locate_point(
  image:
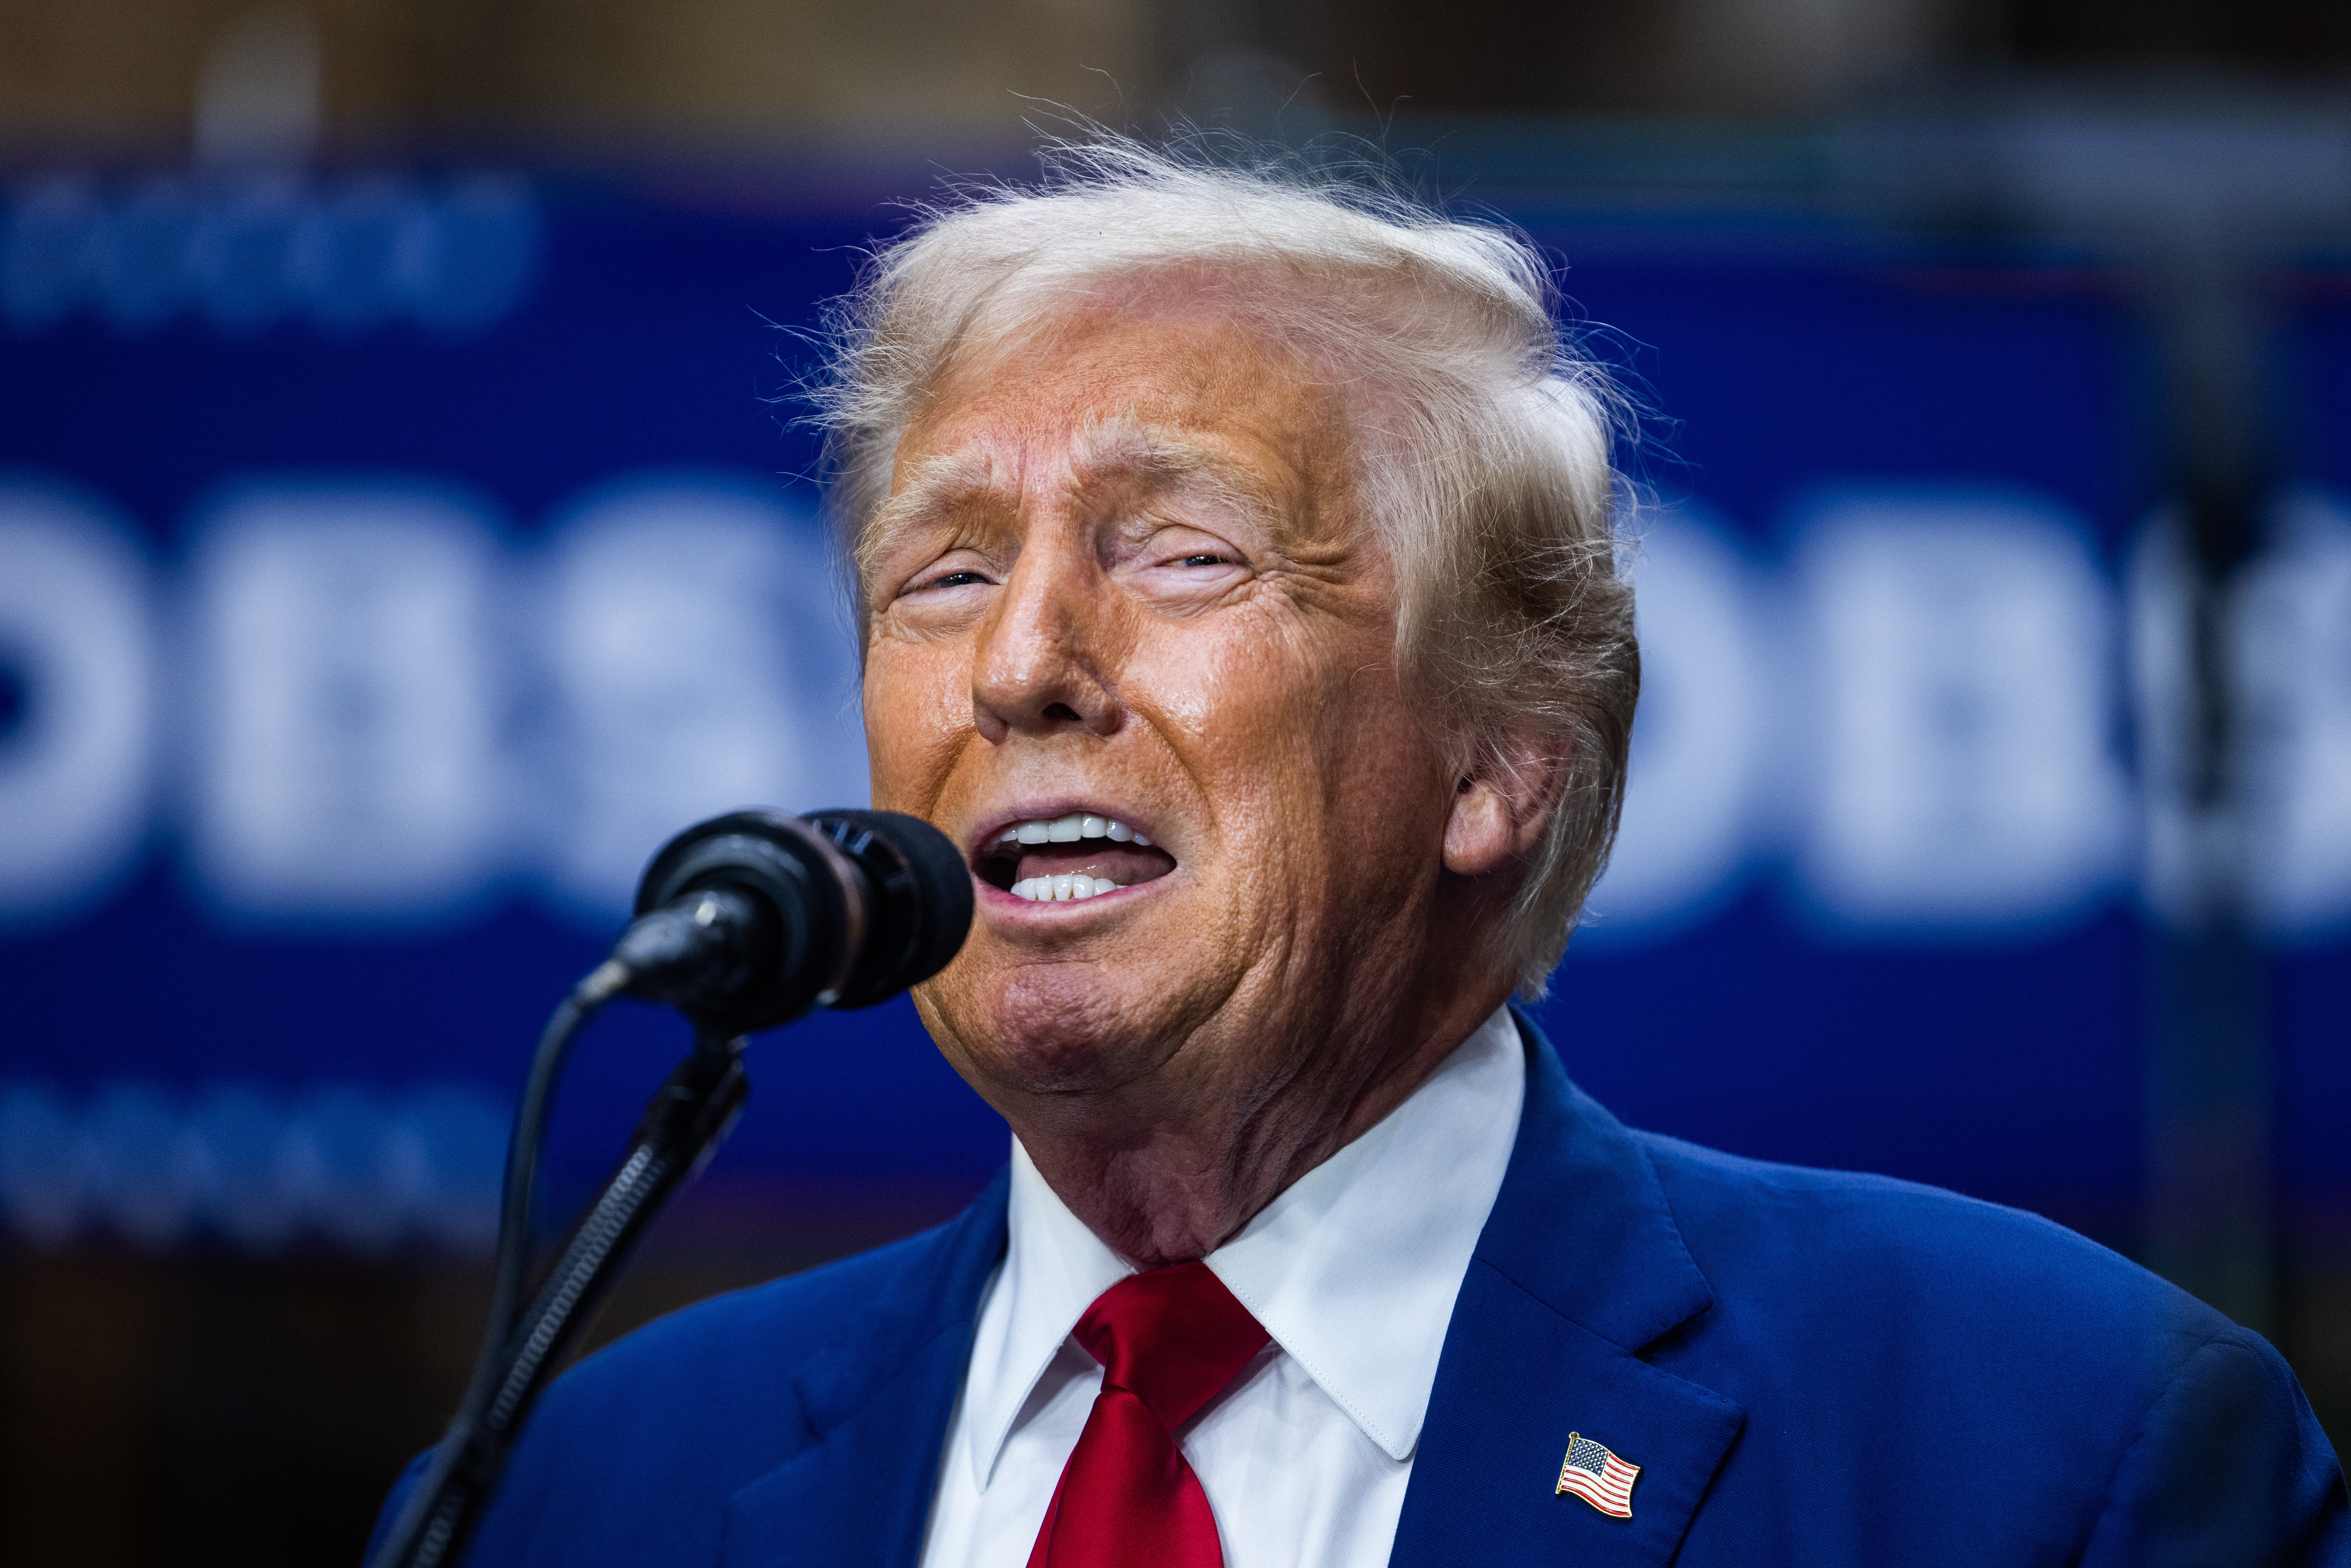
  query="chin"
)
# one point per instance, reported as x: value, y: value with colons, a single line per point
x: 1055, y: 1028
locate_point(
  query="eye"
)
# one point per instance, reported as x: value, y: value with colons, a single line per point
x: 1181, y: 564
x: 967, y: 577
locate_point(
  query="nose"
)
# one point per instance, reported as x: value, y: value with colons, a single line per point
x: 1041, y: 667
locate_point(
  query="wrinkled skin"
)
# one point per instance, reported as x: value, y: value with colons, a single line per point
x: 1122, y: 571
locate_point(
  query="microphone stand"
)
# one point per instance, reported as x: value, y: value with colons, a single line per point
x: 682, y: 1127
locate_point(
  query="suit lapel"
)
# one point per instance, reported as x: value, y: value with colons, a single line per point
x: 876, y: 1407
x: 1580, y: 1266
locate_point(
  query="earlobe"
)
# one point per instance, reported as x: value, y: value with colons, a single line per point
x: 1478, y: 831
x: 1499, y: 810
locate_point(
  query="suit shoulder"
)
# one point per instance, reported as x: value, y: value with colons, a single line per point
x: 632, y: 1454
x: 2005, y: 1389
x: 753, y: 1337
x: 1847, y: 1238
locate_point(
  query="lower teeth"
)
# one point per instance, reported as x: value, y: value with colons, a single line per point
x: 1060, y: 889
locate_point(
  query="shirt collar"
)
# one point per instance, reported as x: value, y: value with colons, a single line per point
x: 1053, y: 1269
x: 1353, y: 1269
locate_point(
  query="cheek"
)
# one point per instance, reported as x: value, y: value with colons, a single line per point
x: 1240, y: 709
x: 917, y: 704
x: 1295, y: 737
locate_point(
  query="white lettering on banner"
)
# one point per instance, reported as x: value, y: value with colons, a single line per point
x: 2293, y: 658
x: 344, y: 1161
x: 40, y: 1176
x: 703, y: 664
x: 246, y: 252
x: 1963, y: 667
x: 246, y: 1174
x: 1704, y: 694
x: 139, y: 1165
x: 245, y: 1162
x: 75, y: 739
x: 2171, y: 881
x: 349, y: 759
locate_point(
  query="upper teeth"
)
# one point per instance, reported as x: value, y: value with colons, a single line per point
x: 1069, y: 829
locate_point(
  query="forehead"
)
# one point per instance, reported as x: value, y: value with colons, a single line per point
x: 1042, y: 397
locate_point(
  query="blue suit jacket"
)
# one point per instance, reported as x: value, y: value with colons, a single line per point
x: 1809, y: 1368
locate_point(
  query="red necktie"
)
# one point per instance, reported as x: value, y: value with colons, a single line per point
x: 1170, y: 1342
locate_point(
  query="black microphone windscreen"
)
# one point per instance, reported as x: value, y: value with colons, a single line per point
x: 921, y: 903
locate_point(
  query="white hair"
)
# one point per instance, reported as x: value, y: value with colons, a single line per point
x: 1485, y: 438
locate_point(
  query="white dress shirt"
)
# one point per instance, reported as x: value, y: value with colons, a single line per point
x: 1352, y: 1271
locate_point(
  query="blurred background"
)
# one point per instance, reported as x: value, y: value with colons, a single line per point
x: 405, y: 527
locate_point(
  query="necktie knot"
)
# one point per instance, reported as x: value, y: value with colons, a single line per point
x: 1173, y: 1337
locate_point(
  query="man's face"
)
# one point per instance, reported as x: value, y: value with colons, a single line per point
x: 1122, y: 577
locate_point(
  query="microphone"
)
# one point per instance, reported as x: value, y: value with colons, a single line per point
x: 749, y: 920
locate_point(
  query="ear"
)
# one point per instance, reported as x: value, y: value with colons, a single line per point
x: 1502, y: 806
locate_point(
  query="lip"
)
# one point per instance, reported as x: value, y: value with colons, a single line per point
x: 994, y: 825
x: 1002, y: 905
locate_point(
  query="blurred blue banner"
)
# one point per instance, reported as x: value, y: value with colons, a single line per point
x: 387, y: 565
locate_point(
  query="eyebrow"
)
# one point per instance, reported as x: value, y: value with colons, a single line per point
x: 936, y: 487
x: 1112, y: 450
x: 1104, y: 452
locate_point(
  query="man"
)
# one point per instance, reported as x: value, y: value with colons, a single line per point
x: 1233, y: 570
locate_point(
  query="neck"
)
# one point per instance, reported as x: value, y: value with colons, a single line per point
x: 1168, y: 1169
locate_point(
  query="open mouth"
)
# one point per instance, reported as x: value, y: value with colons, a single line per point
x: 1054, y: 860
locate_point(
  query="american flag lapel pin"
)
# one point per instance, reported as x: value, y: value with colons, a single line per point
x: 1597, y: 1475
